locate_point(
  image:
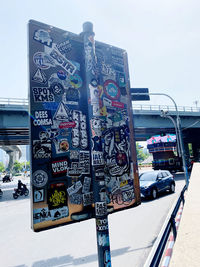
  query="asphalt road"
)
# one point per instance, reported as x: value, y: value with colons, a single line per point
x: 132, y: 234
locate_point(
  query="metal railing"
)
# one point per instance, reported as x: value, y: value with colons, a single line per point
x: 169, y: 225
x: 24, y: 101
x: 13, y: 101
x: 165, y: 107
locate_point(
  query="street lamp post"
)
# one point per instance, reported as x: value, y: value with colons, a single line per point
x: 164, y: 114
x: 179, y: 132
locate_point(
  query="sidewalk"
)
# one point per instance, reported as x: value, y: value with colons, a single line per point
x: 186, y: 251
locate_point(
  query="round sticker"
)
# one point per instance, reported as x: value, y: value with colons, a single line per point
x: 121, y: 158
x: 40, y: 178
x: 57, y: 88
x: 111, y: 89
x: 61, y: 75
x: 64, y: 146
x: 75, y: 81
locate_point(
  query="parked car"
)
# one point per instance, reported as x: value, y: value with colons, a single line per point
x: 154, y: 182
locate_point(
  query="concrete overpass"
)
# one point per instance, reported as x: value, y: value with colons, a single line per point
x: 14, y: 122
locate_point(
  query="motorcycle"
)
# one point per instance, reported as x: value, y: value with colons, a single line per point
x: 21, y: 192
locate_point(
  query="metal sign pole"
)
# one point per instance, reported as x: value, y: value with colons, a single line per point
x: 99, y: 187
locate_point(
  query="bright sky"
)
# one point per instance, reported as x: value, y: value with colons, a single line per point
x: 162, y: 39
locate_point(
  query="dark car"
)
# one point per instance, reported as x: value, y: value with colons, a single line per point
x: 154, y: 182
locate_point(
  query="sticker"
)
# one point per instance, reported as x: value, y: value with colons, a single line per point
x: 60, y: 213
x: 86, y: 185
x: 128, y: 196
x: 116, y: 149
x: 97, y: 144
x: 38, y: 195
x: 62, y: 113
x: 122, y: 81
x: 39, y: 77
x: 59, y: 167
x: 74, y: 154
x: 74, y: 188
x: 42, y: 118
x: 57, y: 196
x: 44, y: 136
x: 106, y: 69
x: 61, y: 75
x: 43, y: 37
x: 94, y: 94
x: 79, y: 132
x: 76, y: 199
x: 43, y: 60
x: 67, y: 125
x: 72, y: 94
x: 74, y: 171
x: 41, y: 150
x: 63, y: 62
x: 75, y: 81
x: 97, y: 158
x: 107, y: 258
x: 99, y: 174
x: 64, y: 47
x: 111, y: 90
x: 61, y: 145
x: 42, y: 94
x: 103, y: 240
x: 88, y: 199
x: 40, y: 178
x: 102, y: 224
x: 96, y: 125
x: 57, y: 88
x: 117, y: 104
x: 84, y: 161
x: 96, y: 110
x: 41, y: 215
x: 100, y: 208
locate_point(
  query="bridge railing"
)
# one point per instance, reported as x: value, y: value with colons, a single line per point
x: 165, y: 107
x: 23, y: 101
x: 13, y: 101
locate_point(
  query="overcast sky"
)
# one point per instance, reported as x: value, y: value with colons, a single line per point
x: 162, y: 39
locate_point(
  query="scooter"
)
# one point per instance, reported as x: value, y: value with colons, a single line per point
x: 18, y: 193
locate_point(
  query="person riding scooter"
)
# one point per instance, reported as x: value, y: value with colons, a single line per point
x: 21, y: 187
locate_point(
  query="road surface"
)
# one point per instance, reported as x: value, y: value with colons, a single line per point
x: 132, y: 234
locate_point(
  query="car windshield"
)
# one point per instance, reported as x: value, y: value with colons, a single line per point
x: 150, y: 176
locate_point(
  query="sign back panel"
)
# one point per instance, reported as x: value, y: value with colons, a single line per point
x: 63, y: 156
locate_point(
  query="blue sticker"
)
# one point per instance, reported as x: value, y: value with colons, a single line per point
x: 61, y: 75
x: 43, y: 60
x: 75, y: 80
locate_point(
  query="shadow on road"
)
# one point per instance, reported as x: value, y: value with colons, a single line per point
x: 69, y: 260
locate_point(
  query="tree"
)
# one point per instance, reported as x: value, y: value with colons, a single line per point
x: 140, y: 154
x: 17, y: 167
x: 2, y: 167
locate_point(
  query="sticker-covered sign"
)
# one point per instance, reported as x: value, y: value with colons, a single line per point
x: 80, y: 129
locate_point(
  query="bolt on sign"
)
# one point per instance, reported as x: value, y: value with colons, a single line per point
x: 80, y: 134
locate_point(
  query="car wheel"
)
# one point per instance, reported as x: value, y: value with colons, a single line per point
x: 154, y: 193
x: 172, y: 188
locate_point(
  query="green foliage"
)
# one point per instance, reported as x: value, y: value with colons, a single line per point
x: 17, y: 167
x: 2, y: 167
x: 140, y: 154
